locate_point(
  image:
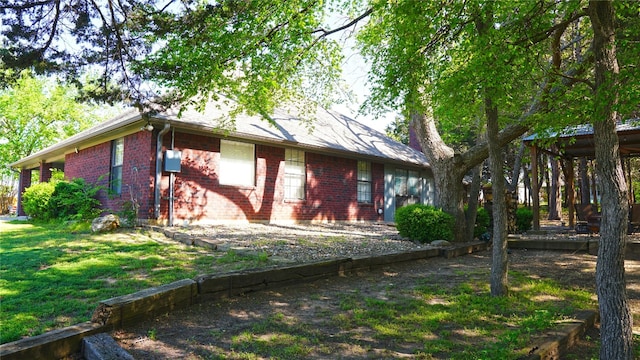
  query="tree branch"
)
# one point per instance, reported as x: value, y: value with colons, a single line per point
x: 326, y: 33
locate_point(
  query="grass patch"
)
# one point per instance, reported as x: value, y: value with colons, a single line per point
x: 458, y: 322
x: 465, y: 321
x: 54, y: 275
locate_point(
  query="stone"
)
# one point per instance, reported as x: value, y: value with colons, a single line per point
x: 105, y: 223
x: 440, y: 243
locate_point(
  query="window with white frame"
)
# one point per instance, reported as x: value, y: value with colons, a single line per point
x: 408, y: 183
x: 294, y: 174
x: 117, y: 159
x: 364, y: 182
x: 237, y: 163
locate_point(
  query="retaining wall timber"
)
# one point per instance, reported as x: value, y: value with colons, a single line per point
x: 55, y: 344
x: 564, y: 245
x: 126, y: 310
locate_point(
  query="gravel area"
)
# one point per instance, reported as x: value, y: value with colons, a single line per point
x: 299, y: 243
x: 306, y: 242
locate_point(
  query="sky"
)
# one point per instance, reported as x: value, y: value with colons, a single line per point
x: 355, y: 76
x: 355, y: 70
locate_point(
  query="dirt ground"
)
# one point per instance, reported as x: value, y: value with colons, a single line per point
x: 205, y: 331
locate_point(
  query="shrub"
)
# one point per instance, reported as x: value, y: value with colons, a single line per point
x: 129, y: 213
x: 424, y: 223
x: 36, y: 198
x: 75, y: 200
x: 65, y: 200
x: 524, y: 219
x: 483, y: 222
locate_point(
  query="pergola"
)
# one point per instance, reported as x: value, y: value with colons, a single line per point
x: 575, y: 143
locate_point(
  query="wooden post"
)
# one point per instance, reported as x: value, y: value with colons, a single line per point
x: 571, y: 192
x: 535, y: 187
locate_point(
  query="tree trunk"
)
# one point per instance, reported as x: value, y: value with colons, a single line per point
x: 555, y: 203
x: 499, y: 267
x: 585, y: 189
x: 517, y: 167
x: 449, y: 168
x: 448, y: 171
x: 546, y: 178
x: 594, y: 188
x: 615, y: 315
x: 527, y: 187
x: 472, y: 209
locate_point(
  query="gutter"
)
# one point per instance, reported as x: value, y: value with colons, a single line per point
x: 156, y: 199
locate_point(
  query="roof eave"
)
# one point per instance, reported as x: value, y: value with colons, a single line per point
x: 82, y: 140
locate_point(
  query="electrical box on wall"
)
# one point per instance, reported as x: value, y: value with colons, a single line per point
x: 172, y: 160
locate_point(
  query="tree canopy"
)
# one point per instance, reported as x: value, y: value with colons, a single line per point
x: 38, y: 112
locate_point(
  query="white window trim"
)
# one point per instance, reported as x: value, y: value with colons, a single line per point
x: 362, y: 181
x: 295, y: 171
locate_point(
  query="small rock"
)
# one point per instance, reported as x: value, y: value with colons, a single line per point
x: 440, y: 243
x: 105, y: 223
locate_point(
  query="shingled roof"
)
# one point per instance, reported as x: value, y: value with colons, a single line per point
x: 324, y: 131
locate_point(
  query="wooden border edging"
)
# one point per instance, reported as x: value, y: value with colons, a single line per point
x: 128, y: 309
x: 566, y: 245
x: 564, y: 337
x: 124, y: 310
x: 55, y: 344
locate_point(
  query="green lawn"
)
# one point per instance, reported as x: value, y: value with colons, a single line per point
x: 461, y: 322
x: 54, y: 276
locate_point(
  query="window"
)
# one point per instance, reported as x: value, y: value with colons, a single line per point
x: 413, y: 184
x: 364, y: 182
x: 117, y: 157
x: 237, y: 163
x: 401, y: 182
x: 294, y: 174
x: 408, y: 183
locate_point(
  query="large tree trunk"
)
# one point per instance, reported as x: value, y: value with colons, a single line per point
x: 499, y: 267
x: 450, y: 168
x: 615, y: 316
x: 448, y: 171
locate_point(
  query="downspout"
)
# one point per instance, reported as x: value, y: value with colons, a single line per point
x: 156, y: 201
x: 172, y: 180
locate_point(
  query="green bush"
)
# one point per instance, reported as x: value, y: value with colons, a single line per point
x: 65, y: 200
x: 36, y: 198
x: 424, y: 223
x: 75, y: 200
x: 483, y: 222
x: 524, y: 219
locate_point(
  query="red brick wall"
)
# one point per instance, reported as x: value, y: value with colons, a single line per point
x: 94, y: 164
x: 331, y: 188
x: 331, y: 191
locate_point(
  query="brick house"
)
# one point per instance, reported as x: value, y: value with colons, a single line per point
x: 210, y: 168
